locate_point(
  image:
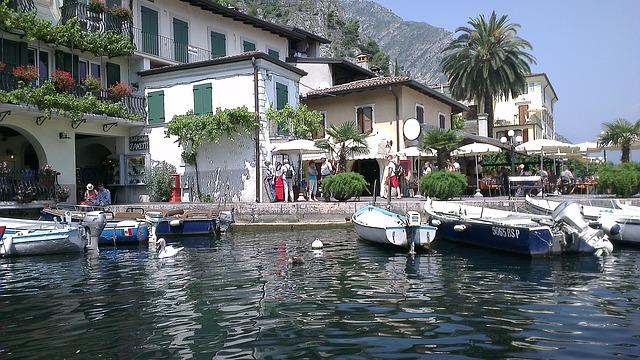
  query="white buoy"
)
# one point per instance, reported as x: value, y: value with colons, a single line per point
x: 317, y: 244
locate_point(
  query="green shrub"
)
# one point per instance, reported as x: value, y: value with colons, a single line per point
x: 443, y: 184
x: 622, y: 180
x: 343, y: 186
x: 159, y: 184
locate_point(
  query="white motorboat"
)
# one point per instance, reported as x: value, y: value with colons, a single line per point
x: 384, y: 227
x: 628, y: 219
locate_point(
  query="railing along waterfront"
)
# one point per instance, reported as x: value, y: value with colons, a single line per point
x: 167, y: 48
x: 136, y: 104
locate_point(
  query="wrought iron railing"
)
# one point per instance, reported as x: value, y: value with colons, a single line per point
x: 167, y: 48
x: 136, y: 104
x: 21, y: 5
x: 91, y: 21
x: 26, y: 185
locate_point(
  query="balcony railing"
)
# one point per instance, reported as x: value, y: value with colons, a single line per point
x: 167, y: 48
x: 21, y: 5
x: 136, y: 104
x: 14, y: 183
x: 90, y: 21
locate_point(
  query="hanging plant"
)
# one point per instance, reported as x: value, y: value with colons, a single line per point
x: 91, y: 84
x: 62, y: 80
x: 119, y: 90
x: 97, y: 6
x: 121, y: 12
x: 25, y: 74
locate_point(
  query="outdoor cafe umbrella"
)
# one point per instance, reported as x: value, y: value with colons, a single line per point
x: 476, y: 149
x: 547, y: 147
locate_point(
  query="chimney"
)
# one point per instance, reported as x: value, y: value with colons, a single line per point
x: 376, y: 70
x: 363, y: 61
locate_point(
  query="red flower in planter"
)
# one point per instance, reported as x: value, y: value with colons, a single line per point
x: 62, y: 80
x: 119, y: 90
x: 25, y: 73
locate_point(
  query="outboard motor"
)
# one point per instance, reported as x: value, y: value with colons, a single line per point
x: 568, y: 215
x: 225, y: 219
x: 93, y: 224
x: 412, y: 227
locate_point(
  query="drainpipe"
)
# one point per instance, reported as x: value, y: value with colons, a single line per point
x: 397, y: 119
x: 257, y: 129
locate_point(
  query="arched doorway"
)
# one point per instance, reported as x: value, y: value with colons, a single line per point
x: 370, y: 169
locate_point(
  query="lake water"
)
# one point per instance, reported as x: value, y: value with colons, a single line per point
x: 237, y: 296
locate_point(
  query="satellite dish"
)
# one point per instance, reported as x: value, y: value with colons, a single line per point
x: 411, y: 129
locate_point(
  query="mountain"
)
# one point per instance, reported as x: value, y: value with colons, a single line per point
x: 415, y: 46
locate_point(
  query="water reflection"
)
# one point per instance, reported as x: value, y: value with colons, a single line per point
x: 239, y: 296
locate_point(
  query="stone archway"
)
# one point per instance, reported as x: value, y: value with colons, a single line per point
x: 370, y: 169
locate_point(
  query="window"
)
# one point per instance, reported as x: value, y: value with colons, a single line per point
x: 420, y: 113
x: 202, y: 102
x: 40, y: 59
x: 323, y: 123
x: 274, y: 53
x: 282, y: 99
x: 69, y: 63
x: 525, y: 90
x: 95, y: 70
x: 248, y: 46
x: 364, y: 119
x: 155, y: 101
x: 218, y: 44
x: 442, y: 121
x: 113, y: 73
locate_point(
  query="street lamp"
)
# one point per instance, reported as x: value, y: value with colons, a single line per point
x: 512, y: 141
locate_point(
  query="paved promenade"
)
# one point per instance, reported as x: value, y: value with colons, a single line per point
x: 334, y: 212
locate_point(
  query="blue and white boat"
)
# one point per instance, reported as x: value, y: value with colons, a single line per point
x: 563, y: 232
x: 380, y: 226
x: 126, y: 228
x: 34, y: 237
x: 191, y: 222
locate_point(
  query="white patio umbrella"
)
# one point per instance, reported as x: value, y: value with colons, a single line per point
x: 547, y: 147
x: 413, y: 151
x: 476, y: 149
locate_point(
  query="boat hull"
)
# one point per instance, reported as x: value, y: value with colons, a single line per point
x: 42, y: 242
x: 383, y: 227
x: 181, y: 227
x: 127, y: 232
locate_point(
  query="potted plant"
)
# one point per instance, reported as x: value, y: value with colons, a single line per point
x: 62, y: 80
x: 119, y: 90
x: 97, y: 6
x: 91, y: 84
x: 25, y: 194
x: 4, y: 169
x: 343, y: 186
x: 62, y: 194
x: 121, y: 12
x: 25, y: 74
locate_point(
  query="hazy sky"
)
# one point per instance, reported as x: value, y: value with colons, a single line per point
x: 590, y: 51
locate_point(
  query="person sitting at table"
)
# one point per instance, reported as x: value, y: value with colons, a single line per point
x: 90, y: 195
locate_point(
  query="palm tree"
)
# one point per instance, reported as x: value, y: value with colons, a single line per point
x: 444, y: 141
x: 345, y: 140
x: 620, y: 133
x: 487, y: 61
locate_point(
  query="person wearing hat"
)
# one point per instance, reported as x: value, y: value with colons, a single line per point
x: 90, y: 196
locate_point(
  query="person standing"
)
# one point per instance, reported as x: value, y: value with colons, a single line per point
x: 270, y: 178
x: 104, y: 195
x: 312, y: 180
x: 288, y: 174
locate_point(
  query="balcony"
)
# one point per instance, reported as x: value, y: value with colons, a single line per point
x: 21, y: 5
x: 136, y: 104
x: 94, y: 22
x: 167, y: 48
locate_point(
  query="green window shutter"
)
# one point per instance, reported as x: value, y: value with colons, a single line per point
x: 155, y: 102
x: 113, y: 73
x: 202, y: 100
x: 181, y: 39
x: 10, y: 53
x: 23, y: 47
x: 274, y: 54
x: 150, y: 37
x: 248, y: 46
x: 218, y: 45
x: 282, y: 95
x: 282, y: 98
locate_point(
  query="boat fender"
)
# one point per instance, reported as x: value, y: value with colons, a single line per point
x: 460, y: 227
x: 436, y: 222
x: 175, y: 222
x: 316, y: 244
x: 610, y: 227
